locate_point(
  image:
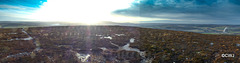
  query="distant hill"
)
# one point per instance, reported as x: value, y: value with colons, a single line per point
x: 20, y: 24
x: 198, y: 28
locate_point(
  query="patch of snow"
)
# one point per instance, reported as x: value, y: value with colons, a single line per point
x: 82, y: 57
x: 127, y: 48
x: 132, y: 40
x: 198, y: 52
x: 147, y: 60
x: 119, y: 34
x: 237, y: 44
x: 98, y: 35
x: 37, y: 49
x: 195, y: 42
x: 142, y: 54
x: 101, y: 37
x: 224, y: 30
x: 211, y: 43
x: 12, y: 33
x: 173, y: 49
x: 18, y: 55
x: 24, y: 31
x: 29, y: 38
x: 114, y: 44
x: 103, y: 48
x: 108, y: 37
x: 10, y: 39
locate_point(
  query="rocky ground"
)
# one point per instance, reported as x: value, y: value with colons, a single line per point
x: 113, y: 44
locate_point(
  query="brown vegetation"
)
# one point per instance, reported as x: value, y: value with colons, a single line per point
x: 60, y: 45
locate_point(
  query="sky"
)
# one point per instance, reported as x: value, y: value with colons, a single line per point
x: 129, y: 11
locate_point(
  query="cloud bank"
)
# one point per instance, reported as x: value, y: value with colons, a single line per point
x: 186, y: 11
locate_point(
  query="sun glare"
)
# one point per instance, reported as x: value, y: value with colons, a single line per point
x: 80, y: 11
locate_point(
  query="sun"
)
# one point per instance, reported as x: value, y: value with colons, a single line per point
x: 89, y: 22
x: 80, y: 11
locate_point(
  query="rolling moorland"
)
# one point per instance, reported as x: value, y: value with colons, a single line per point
x: 197, y: 28
x: 113, y: 44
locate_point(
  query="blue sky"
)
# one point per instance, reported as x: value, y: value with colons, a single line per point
x: 152, y: 11
x: 14, y: 10
x: 27, y: 3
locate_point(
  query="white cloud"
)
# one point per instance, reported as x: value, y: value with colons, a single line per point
x: 10, y: 12
x: 11, y: 7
